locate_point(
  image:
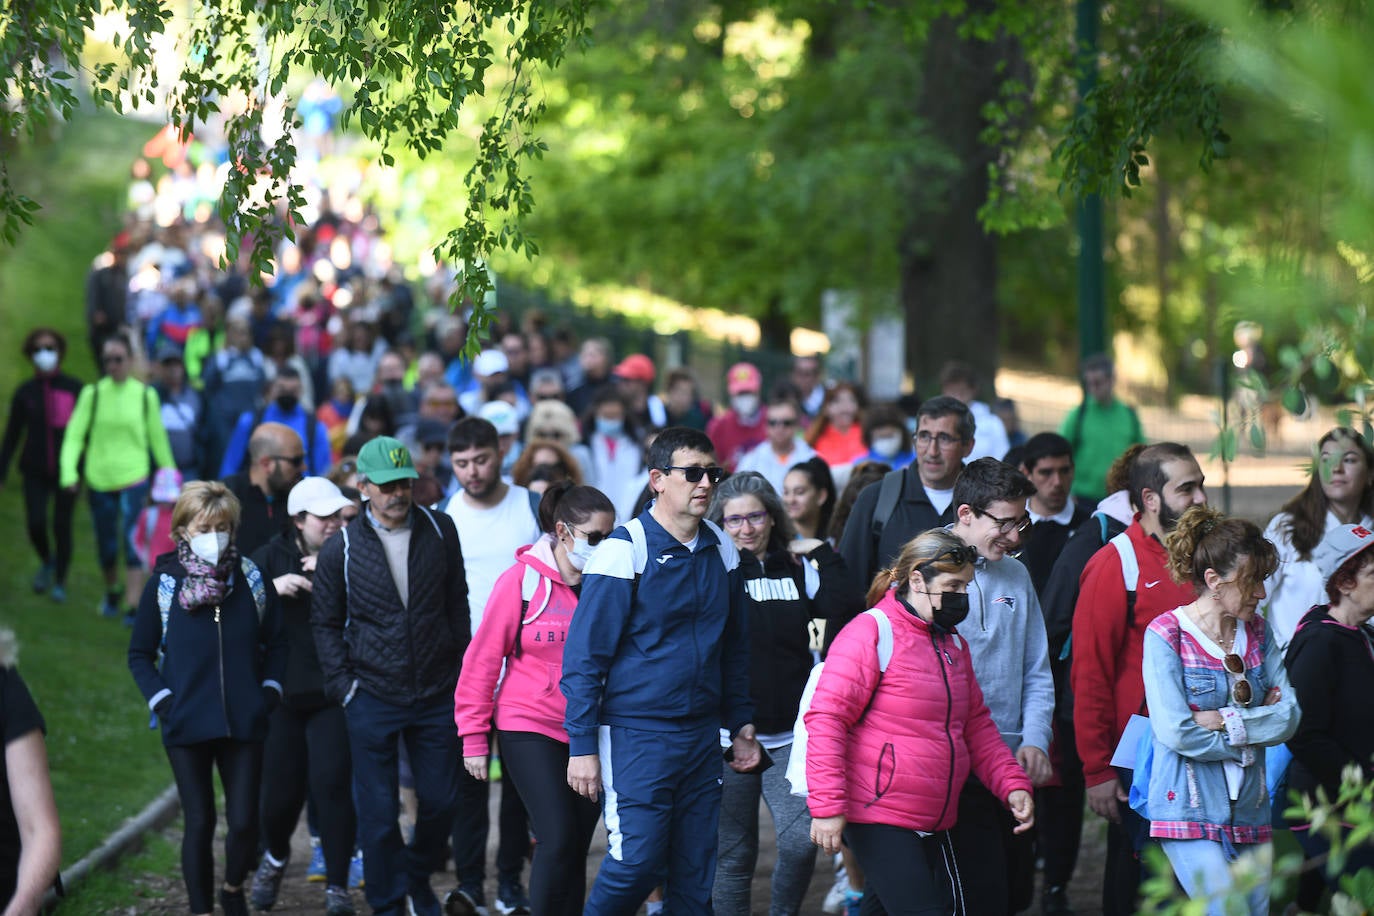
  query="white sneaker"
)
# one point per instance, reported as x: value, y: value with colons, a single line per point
x: 835, y: 897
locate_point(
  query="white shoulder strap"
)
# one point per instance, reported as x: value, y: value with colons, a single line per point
x: 884, y: 637
x: 639, y: 544
x: 1130, y: 569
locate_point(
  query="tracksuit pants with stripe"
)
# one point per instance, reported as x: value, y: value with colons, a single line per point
x: 662, y: 811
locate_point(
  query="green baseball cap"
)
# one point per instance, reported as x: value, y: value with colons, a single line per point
x: 385, y: 459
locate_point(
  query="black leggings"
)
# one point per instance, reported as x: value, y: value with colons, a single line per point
x: 563, y: 821
x: 908, y: 874
x: 307, y: 752
x: 37, y: 492
x: 240, y: 766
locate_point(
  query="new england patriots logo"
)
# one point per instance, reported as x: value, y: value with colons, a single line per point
x: 1008, y: 600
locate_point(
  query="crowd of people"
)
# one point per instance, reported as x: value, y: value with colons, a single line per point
x: 360, y: 567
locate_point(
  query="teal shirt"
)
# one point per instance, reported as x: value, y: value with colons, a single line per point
x: 1098, y: 439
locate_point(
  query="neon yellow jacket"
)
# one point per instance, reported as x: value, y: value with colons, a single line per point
x: 127, y: 425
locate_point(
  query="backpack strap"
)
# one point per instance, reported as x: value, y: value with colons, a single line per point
x: 639, y: 550
x: 889, y: 493
x: 253, y: 576
x: 1130, y: 572
x: 885, y: 641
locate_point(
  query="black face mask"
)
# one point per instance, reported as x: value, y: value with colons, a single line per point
x: 951, y: 612
x: 286, y: 403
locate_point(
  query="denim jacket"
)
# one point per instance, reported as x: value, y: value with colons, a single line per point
x: 1183, y: 672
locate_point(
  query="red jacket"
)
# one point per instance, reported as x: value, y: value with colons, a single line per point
x: 1107, y: 652
x: 903, y: 761
x: 528, y: 699
x: 732, y: 437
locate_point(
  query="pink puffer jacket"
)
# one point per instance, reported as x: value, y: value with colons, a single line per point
x: 904, y: 760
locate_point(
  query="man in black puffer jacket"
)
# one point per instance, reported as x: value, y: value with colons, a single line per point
x: 390, y: 614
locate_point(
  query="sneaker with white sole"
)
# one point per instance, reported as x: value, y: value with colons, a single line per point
x: 267, y: 884
x: 465, y: 901
x: 511, y: 900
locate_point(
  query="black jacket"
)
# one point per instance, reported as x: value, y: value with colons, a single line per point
x: 1331, y: 666
x: 260, y: 518
x: 41, y: 408
x: 782, y: 603
x: 366, y: 638
x: 217, y: 677
x: 1044, y: 542
x: 863, y: 553
x: 303, y: 682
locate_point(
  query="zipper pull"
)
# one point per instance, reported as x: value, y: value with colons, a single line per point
x: 217, y: 613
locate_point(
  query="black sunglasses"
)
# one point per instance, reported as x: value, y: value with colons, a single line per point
x: 295, y: 460
x: 694, y: 473
x: 963, y: 555
x: 592, y: 537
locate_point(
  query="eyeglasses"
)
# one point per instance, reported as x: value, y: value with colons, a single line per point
x: 772, y: 422
x: 294, y: 460
x: 1007, y: 525
x: 735, y: 522
x: 963, y: 555
x: 694, y: 473
x: 942, y: 440
x: 592, y: 537
x: 1241, y: 691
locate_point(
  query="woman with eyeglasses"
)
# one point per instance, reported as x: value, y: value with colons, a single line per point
x: 889, y: 748
x: 519, y: 647
x: 115, y: 427
x: 306, y: 752
x: 1331, y: 664
x: 39, y: 413
x: 789, y: 581
x: 1217, y: 695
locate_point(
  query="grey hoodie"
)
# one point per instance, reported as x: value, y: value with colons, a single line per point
x: 1006, y: 636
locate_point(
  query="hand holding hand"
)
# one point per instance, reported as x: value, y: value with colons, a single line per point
x: 826, y: 833
x: 584, y: 775
x: 1023, y: 809
x: 477, y: 766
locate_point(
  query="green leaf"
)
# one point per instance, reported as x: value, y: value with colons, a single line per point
x: 1294, y: 401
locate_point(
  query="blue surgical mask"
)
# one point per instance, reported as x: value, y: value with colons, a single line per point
x: 609, y: 427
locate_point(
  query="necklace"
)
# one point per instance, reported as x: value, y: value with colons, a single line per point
x: 1219, y: 636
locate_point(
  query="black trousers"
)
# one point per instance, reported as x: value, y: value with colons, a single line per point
x: 307, y: 755
x: 472, y: 823
x: 996, y: 866
x: 563, y: 821
x: 37, y: 494
x: 240, y: 766
x: 1121, y: 873
x: 906, y: 874
x: 1059, y: 810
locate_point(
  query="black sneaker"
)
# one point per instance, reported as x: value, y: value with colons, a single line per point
x: 1055, y: 902
x: 233, y: 903
x: 267, y: 884
x: 465, y: 901
x: 511, y: 900
x: 337, y: 902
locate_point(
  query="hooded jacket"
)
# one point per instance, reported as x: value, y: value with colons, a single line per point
x: 218, y: 663
x: 895, y: 747
x: 528, y: 641
x: 303, y: 682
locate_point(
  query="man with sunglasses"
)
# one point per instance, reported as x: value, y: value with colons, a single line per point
x: 1005, y: 632
x: 390, y: 616
x: 784, y: 447
x: 276, y: 462
x: 656, y: 664
x: 1109, y: 623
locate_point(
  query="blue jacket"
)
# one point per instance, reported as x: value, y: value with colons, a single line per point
x: 217, y: 673
x: 664, y: 649
x: 314, y: 437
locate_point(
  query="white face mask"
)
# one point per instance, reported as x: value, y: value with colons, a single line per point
x: 746, y: 405
x: 210, y: 546
x: 887, y: 446
x: 581, y: 552
x: 45, y: 360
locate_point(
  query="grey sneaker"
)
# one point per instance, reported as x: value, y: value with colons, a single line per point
x: 267, y: 884
x: 337, y: 902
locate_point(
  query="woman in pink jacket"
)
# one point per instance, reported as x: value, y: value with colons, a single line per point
x: 889, y: 750
x: 524, y: 629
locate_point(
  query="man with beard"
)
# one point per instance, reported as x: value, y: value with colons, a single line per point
x: 1109, y: 623
x: 284, y: 407
x: 390, y: 615
x: 493, y: 519
x: 276, y: 461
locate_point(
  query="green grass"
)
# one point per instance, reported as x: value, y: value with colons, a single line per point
x: 106, y: 764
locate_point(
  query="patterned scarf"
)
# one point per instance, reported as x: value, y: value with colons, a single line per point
x: 205, y: 584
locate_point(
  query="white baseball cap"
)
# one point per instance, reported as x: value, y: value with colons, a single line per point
x: 502, y: 416
x: 490, y: 362
x: 316, y: 495
x: 1339, y: 545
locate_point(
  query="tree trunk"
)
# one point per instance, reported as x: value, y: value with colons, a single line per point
x: 775, y: 327
x: 949, y: 262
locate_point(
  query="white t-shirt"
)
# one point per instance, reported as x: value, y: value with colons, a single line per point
x: 489, y: 538
x: 940, y: 499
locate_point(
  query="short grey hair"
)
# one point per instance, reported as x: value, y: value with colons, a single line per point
x: 752, y: 483
x: 946, y: 406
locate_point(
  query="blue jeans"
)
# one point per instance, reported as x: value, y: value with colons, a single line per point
x: 1202, y: 869
x: 390, y: 868
x: 114, y: 514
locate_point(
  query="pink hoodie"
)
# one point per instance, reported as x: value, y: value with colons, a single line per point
x: 896, y: 749
x: 527, y: 698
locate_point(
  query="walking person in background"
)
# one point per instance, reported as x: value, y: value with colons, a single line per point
x: 1340, y: 492
x: 307, y: 737
x: 40, y: 410
x: 889, y: 749
x: 520, y: 648
x: 114, y: 438
x: 213, y: 620
x: 837, y: 434
x: 789, y: 581
x: 1099, y: 429
x: 1218, y: 694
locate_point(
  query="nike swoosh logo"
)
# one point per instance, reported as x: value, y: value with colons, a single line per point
x: 1152, y: 584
